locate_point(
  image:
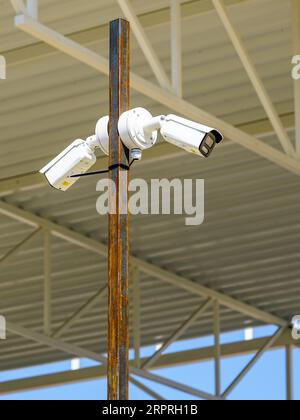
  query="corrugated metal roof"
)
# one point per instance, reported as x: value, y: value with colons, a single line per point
x: 248, y: 246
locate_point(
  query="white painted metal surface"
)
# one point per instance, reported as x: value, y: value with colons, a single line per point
x: 254, y: 77
x: 176, y: 47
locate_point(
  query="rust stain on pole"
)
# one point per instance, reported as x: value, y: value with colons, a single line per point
x: 118, y: 374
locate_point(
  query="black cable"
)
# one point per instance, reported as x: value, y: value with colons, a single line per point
x: 106, y: 171
x: 132, y: 162
x: 89, y: 174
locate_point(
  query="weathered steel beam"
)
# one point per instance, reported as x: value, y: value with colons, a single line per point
x: 118, y: 252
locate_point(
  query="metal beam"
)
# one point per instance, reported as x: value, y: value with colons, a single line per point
x: 21, y: 182
x: 296, y: 31
x: 289, y: 373
x: 18, y: 6
x: 47, y: 282
x: 255, y: 359
x: 198, y: 289
x: 169, y: 360
x: 145, y: 44
x: 80, y: 312
x: 83, y: 353
x: 160, y: 95
x: 175, y: 385
x: 151, y: 269
x: 254, y: 77
x: 57, y: 230
x: 143, y: 387
x: 136, y: 315
x: 12, y: 252
x: 177, y: 334
x: 176, y: 46
x: 217, y: 330
x: 32, y: 8
x: 36, y: 50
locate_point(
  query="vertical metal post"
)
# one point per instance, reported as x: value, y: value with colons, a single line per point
x: 176, y: 46
x: 289, y: 372
x: 32, y: 8
x: 118, y: 332
x: 217, y: 348
x: 47, y: 282
x: 136, y: 316
x: 296, y: 30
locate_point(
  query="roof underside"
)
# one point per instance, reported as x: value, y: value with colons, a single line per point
x: 248, y: 246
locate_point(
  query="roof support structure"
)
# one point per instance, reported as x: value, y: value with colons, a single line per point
x: 145, y: 44
x: 32, y: 8
x: 296, y: 30
x: 136, y: 311
x: 165, y: 361
x: 289, y: 373
x: 151, y: 269
x: 47, y: 282
x: 255, y: 359
x: 254, y: 76
x: 80, y: 312
x: 83, y: 353
x: 177, y: 334
x: 147, y: 390
x: 217, y: 355
x: 207, y: 292
x: 29, y: 7
x: 19, y: 6
x: 176, y: 47
x: 160, y: 95
x: 11, y: 253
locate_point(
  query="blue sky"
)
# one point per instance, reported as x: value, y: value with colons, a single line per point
x: 266, y: 381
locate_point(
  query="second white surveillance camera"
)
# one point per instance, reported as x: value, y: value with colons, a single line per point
x: 193, y: 137
x: 138, y: 129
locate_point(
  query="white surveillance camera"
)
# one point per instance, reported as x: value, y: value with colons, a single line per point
x: 139, y: 130
x: 193, y: 137
x: 77, y: 158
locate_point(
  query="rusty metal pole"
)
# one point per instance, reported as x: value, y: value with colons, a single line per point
x: 118, y: 335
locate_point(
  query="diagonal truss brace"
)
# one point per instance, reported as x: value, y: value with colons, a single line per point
x: 177, y: 334
x: 169, y: 360
x: 145, y: 44
x: 11, y: 253
x: 19, y: 6
x: 80, y: 312
x: 256, y: 81
x: 83, y: 353
x: 30, y: 7
x: 255, y: 359
x: 176, y: 47
x: 90, y: 244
